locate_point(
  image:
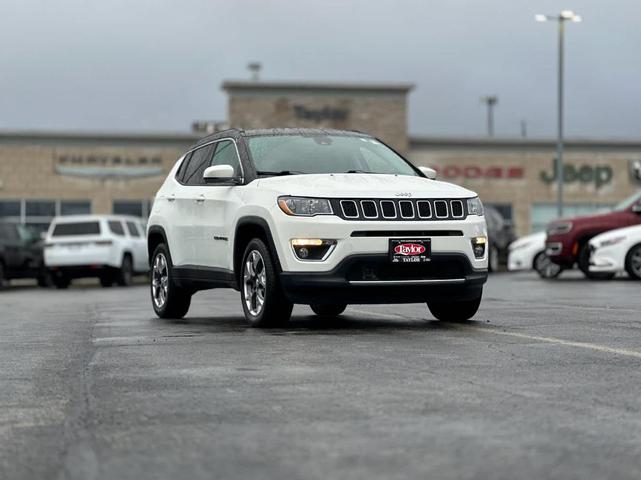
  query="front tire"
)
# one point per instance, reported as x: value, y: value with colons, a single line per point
x: 263, y: 300
x: 455, y: 310
x: 545, y: 267
x: 493, y: 259
x: 328, y: 310
x: 168, y: 299
x: 633, y: 262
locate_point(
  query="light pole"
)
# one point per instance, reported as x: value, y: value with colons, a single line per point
x: 561, y: 18
x: 491, y: 101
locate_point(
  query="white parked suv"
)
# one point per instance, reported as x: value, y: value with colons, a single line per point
x: 319, y: 217
x: 617, y: 250
x: 110, y: 247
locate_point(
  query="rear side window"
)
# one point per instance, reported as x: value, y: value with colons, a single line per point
x: 197, y: 164
x: 180, y: 174
x: 132, y: 229
x: 76, y: 228
x: 116, y: 228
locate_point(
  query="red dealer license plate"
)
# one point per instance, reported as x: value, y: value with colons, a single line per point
x: 410, y: 251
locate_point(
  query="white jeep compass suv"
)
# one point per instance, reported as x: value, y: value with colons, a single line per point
x: 319, y: 217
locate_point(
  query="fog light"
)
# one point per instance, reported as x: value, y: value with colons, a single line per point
x: 312, y: 248
x: 478, y: 246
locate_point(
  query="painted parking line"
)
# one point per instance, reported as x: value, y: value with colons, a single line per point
x: 524, y: 336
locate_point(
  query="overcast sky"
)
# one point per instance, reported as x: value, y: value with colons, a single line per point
x: 143, y: 65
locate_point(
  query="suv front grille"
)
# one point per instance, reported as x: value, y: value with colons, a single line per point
x: 401, y: 210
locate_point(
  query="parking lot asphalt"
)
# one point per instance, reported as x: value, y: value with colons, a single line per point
x: 544, y: 383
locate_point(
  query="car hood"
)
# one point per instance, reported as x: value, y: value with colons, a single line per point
x: 341, y: 185
x: 533, y: 238
x: 631, y: 232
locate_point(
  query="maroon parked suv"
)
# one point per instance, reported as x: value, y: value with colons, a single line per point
x: 567, y: 241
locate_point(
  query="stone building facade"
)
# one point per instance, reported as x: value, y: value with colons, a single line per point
x: 379, y: 109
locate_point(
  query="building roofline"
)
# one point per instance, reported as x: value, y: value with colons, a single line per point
x: 88, y: 137
x: 277, y: 86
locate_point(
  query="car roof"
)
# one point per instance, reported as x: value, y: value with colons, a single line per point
x: 237, y: 132
x: 94, y: 218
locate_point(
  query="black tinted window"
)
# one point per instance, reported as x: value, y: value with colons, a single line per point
x: 116, y: 227
x: 78, y: 228
x: 197, y: 164
x: 131, y: 228
x: 180, y: 174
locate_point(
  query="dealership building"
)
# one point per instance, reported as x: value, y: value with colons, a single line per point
x: 43, y: 174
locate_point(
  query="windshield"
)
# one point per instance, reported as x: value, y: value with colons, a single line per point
x: 293, y: 154
x: 628, y: 201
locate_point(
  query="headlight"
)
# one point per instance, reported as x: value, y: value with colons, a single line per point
x: 307, y: 207
x: 474, y: 206
x: 559, y: 228
x: 611, y: 241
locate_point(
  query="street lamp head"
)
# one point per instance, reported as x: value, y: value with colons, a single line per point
x: 567, y: 14
x: 540, y: 17
x: 577, y: 18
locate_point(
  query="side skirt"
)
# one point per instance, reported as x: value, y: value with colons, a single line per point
x: 195, y: 277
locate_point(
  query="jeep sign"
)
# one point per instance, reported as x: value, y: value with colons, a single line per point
x: 598, y: 175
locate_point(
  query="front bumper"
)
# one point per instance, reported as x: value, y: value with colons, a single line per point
x: 371, y: 278
x: 370, y: 238
x: 606, y: 259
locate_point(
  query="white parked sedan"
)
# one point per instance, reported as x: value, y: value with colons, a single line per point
x: 617, y: 251
x: 110, y: 247
x: 527, y: 253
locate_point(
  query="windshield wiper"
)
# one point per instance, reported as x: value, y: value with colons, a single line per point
x: 279, y: 173
x: 358, y: 171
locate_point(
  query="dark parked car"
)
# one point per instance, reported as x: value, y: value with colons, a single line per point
x: 568, y: 238
x: 500, y: 233
x: 21, y: 254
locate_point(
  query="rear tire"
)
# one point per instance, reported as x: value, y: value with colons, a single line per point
x: 106, y: 280
x: 3, y: 280
x: 328, y: 310
x: 455, y: 310
x: 545, y: 267
x: 633, y: 262
x: 44, y: 279
x: 584, y: 265
x: 168, y: 299
x: 61, y: 281
x: 125, y: 275
x: 261, y: 294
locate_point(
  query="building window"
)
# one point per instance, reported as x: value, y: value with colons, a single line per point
x: 38, y: 213
x: 136, y: 208
x: 11, y: 210
x: 75, y: 207
x: 543, y: 213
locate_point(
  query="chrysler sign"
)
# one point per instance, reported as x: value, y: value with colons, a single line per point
x: 108, y: 166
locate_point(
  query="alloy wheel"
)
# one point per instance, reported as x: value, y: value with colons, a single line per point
x: 545, y: 267
x: 254, y: 283
x: 160, y: 280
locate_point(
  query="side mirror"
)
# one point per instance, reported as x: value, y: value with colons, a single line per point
x: 636, y: 208
x: 218, y: 173
x: 428, y: 172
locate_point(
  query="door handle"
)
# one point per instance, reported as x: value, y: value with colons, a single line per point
x: 171, y: 197
x: 200, y: 199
